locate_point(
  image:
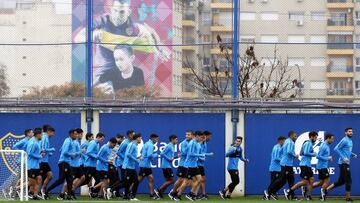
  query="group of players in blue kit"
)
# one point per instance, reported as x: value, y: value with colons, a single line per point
x: 282, y: 162
x: 113, y: 165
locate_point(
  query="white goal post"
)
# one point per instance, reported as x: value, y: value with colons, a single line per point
x: 13, y: 175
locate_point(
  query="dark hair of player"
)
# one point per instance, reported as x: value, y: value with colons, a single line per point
x: 27, y: 131
x: 328, y: 136
x: 347, y: 129
x: 154, y: 136
x: 100, y: 135
x: 113, y: 140
x: 88, y: 135
x: 281, y: 138
x: 172, y: 137
x: 312, y: 134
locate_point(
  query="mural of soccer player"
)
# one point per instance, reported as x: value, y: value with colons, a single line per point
x: 124, y: 74
x: 117, y: 27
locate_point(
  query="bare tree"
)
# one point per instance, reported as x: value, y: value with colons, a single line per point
x: 4, y: 88
x: 273, y: 79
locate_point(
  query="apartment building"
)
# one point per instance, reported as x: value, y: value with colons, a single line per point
x: 28, y: 21
x: 321, y: 36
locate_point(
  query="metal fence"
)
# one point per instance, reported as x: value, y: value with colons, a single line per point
x: 304, y: 50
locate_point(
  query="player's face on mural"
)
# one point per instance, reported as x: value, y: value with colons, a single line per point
x: 189, y: 136
x: 331, y: 140
x: 349, y: 133
x: 119, y: 13
x: 122, y: 60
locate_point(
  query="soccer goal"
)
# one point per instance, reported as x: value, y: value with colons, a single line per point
x: 13, y: 175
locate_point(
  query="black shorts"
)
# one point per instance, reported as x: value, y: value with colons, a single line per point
x: 144, y: 172
x: 103, y: 175
x: 33, y: 173
x: 44, y: 168
x: 77, y: 172
x: 90, y: 172
x: 323, y: 174
x: 202, y: 170
x: 168, y: 173
x: 306, y: 172
x: 192, y: 172
x: 182, y: 172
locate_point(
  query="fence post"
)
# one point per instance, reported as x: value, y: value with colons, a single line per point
x: 235, y: 48
x: 89, y: 57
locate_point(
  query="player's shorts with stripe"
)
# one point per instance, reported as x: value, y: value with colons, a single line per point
x: 306, y: 172
x: 168, y: 173
x: 192, y: 172
x: 33, y: 173
x: 202, y: 170
x: 144, y: 172
x: 182, y: 172
x: 323, y: 173
x: 103, y: 174
x: 44, y: 168
x: 77, y: 172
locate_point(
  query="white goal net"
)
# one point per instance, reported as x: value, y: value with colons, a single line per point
x: 13, y: 175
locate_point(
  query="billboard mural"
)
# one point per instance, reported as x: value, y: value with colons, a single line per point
x: 166, y: 124
x: 263, y: 129
x: 130, y: 44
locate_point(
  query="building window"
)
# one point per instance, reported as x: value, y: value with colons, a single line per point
x: 206, y: 61
x: 317, y: 85
x: 318, y: 62
x: 357, y: 42
x: 270, y: 38
x: 206, y: 38
x: 246, y: 16
x: 296, y: 16
x: 269, y: 16
x: 318, y: 16
x: 296, y: 39
x: 318, y: 39
x: 357, y: 65
x: 268, y: 61
x: 206, y: 18
x: 296, y: 61
x: 247, y: 38
x: 225, y: 19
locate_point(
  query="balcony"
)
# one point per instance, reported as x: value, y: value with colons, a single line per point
x: 188, y: 41
x: 336, y: 4
x: 340, y: 25
x: 221, y: 4
x: 217, y: 27
x: 340, y: 72
x: 188, y: 64
x: 340, y: 48
x: 342, y: 94
x: 188, y: 20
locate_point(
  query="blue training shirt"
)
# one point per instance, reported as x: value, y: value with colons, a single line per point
x: 22, y: 144
x: 307, y: 153
x: 84, y: 147
x: 67, y: 151
x: 148, y: 154
x: 76, y: 160
x: 103, y: 157
x: 323, y: 156
x: 166, y: 155
x: 276, y: 155
x: 288, y: 153
x: 344, y: 149
x: 45, y: 145
x: 33, y: 151
x: 194, y: 153
x: 184, y: 146
x: 91, y: 153
x: 234, y: 157
x: 201, y: 161
x: 130, y: 159
x: 122, y: 150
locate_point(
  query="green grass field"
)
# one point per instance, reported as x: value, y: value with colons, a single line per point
x: 144, y: 198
